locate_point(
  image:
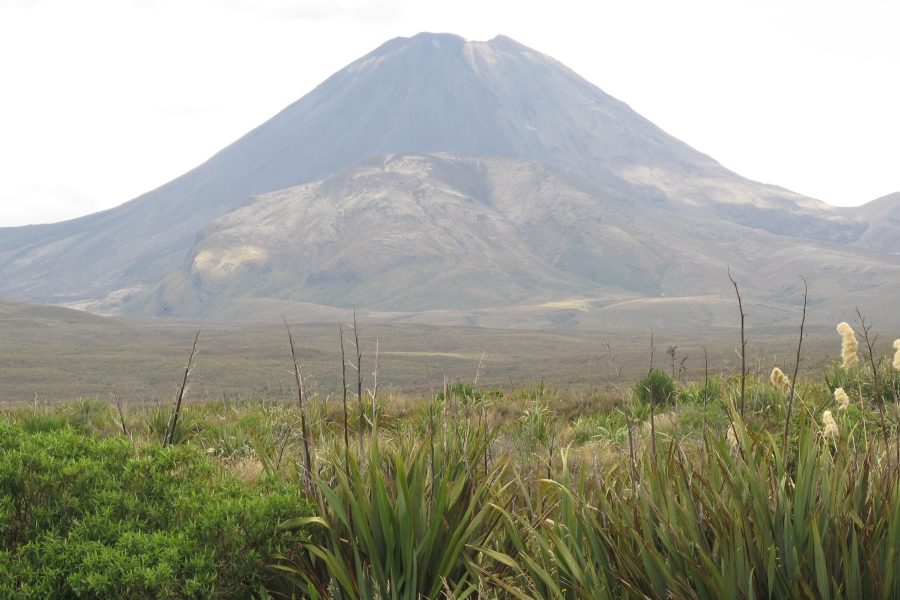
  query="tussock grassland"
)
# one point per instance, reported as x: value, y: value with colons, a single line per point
x: 657, y: 488
x: 56, y: 361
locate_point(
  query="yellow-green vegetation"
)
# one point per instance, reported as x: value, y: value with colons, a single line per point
x: 84, y: 514
x: 660, y: 489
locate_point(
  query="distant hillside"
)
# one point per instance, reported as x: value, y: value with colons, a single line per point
x: 33, y: 321
x: 883, y: 219
x: 416, y: 233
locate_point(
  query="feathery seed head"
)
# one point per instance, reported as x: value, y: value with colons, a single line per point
x: 849, y: 345
x: 780, y: 380
x: 731, y: 437
x: 830, y: 429
x: 841, y: 398
x: 897, y: 355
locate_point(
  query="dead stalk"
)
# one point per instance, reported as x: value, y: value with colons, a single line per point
x: 652, y: 427
x: 173, y: 420
x: 878, y: 396
x: 307, y: 456
x: 346, y: 411
x: 373, y: 393
x: 478, y: 371
x: 790, y: 406
x: 705, y: 401
x: 633, y: 464
x: 896, y: 407
x: 121, y: 413
x: 671, y: 352
x: 743, y: 343
x: 612, y: 361
x: 359, y: 384
x: 650, y: 398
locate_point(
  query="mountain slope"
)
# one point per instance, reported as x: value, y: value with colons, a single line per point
x: 882, y: 217
x: 424, y: 232
x: 429, y: 93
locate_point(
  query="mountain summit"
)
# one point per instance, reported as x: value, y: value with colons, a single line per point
x: 432, y: 173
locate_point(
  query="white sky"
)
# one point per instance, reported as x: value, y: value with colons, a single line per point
x: 102, y: 100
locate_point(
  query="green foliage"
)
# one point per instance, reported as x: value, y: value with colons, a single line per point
x: 373, y: 413
x: 465, y: 393
x: 657, y: 387
x: 764, y: 398
x: 751, y: 527
x: 35, y: 421
x: 402, y: 524
x: 611, y: 426
x: 468, y: 496
x: 88, y: 414
x: 457, y: 390
x: 536, y: 424
x: 84, y: 517
x: 701, y: 392
x: 859, y: 381
x: 188, y: 425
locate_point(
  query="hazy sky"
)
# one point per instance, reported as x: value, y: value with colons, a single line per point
x: 102, y: 100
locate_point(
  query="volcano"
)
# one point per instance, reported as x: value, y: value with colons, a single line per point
x: 439, y: 174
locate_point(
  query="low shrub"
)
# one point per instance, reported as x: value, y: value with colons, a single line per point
x: 657, y: 387
x: 85, y: 517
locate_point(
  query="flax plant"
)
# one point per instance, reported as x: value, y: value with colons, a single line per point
x: 749, y: 527
x: 401, y: 525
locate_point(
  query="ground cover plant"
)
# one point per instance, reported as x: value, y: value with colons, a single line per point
x: 88, y: 516
x: 728, y: 486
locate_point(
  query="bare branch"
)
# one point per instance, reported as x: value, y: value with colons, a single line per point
x: 346, y: 411
x: 743, y: 342
x: 307, y: 456
x: 173, y: 419
x: 359, y: 382
x: 878, y: 395
x: 790, y: 407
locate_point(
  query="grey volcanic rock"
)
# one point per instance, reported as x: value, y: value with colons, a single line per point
x: 437, y: 172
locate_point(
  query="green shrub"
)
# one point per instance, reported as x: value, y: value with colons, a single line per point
x: 82, y: 517
x: 657, y: 387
